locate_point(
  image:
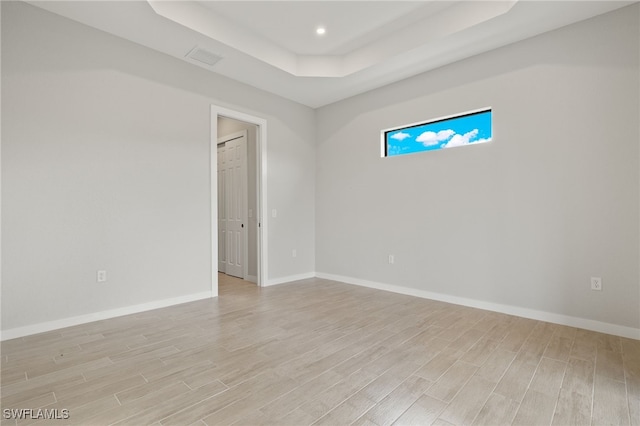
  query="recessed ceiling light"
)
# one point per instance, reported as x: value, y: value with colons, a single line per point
x: 321, y: 30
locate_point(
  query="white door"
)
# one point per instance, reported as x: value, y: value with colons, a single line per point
x: 232, y: 206
x: 222, y: 209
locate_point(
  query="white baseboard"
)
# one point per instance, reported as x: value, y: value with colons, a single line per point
x: 618, y: 330
x: 288, y: 279
x: 83, y: 319
x: 602, y: 327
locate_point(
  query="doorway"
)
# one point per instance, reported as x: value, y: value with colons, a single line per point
x: 238, y: 197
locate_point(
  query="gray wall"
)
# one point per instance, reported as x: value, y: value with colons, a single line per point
x: 228, y: 126
x: 105, y: 165
x: 525, y: 220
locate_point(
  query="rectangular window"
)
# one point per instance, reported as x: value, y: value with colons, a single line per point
x: 471, y: 127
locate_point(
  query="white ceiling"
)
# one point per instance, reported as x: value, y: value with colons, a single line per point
x: 351, y: 24
x: 272, y: 45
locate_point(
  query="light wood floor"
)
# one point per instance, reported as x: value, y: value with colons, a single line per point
x: 323, y: 352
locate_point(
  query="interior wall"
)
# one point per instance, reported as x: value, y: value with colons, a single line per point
x: 522, y: 221
x: 105, y: 165
x: 228, y: 126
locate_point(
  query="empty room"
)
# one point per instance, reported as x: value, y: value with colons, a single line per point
x: 320, y: 212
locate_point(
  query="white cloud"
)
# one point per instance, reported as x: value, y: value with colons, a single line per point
x: 428, y: 138
x: 445, y: 134
x: 400, y: 136
x: 459, y: 140
x: 433, y: 138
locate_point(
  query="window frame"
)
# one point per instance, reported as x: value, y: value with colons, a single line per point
x: 385, y: 132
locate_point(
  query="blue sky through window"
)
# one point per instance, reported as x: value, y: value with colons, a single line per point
x: 465, y: 129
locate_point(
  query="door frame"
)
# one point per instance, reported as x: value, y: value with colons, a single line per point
x: 261, y: 191
x: 245, y: 187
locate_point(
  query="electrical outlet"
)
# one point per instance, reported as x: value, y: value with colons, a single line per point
x: 101, y: 276
x: 596, y: 283
x: 391, y: 259
x: 274, y: 213
x: 294, y: 253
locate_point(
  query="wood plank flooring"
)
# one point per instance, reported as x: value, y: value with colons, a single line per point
x: 323, y: 353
